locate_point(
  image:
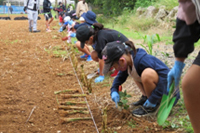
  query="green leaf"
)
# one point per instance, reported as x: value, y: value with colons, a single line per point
x: 126, y: 107
x: 124, y: 101
x: 128, y: 95
x: 120, y: 103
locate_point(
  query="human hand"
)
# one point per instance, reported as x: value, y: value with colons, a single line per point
x: 25, y: 8
x: 73, y: 35
x: 115, y: 97
x: 175, y: 74
x: 149, y: 104
x: 99, y: 79
x: 61, y: 29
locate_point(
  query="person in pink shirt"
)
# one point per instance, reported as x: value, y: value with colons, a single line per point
x: 186, y: 34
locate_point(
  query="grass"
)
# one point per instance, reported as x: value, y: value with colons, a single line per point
x: 169, y: 4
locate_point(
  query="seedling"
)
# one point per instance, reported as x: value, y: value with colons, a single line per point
x: 67, y: 120
x: 123, y: 101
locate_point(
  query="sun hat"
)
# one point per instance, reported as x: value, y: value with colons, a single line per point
x: 67, y: 18
x: 83, y: 34
x: 112, y: 52
x: 90, y: 17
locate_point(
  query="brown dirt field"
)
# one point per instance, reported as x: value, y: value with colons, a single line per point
x: 29, y: 75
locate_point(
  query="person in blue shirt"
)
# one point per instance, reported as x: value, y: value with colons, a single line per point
x: 147, y: 71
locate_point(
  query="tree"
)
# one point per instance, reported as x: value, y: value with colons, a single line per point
x: 1, y: 2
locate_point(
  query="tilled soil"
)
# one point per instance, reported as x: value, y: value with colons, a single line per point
x: 30, y: 73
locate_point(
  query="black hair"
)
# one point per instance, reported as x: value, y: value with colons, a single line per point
x: 96, y: 28
x: 131, y: 47
x: 83, y: 1
x: 128, y: 50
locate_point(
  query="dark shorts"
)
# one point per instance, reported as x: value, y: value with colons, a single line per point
x: 47, y: 16
x: 184, y: 37
x: 197, y: 60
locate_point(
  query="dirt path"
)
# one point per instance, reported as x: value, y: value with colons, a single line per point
x: 29, y: 75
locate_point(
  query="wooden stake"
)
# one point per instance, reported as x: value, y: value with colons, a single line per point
x: 72, y: 95
x: 65, y: 113
x: 63, y: 91
x: 67, y: 120
x: 71, y: 107
x: 72, y: 103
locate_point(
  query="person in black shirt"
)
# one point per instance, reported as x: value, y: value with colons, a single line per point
x: 47, y: 13
x: 98, y: 36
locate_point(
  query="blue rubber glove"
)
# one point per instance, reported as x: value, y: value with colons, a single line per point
x: 115, y: 97
x: 73, y: 35
x: 51, y: 7
x: 61, y: 29
x: 99, y: 79
x: 149, y: 104
x: 175, y: 74
x: 70, y: 22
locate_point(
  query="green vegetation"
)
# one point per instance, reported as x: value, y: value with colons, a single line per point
x: 123, y: 100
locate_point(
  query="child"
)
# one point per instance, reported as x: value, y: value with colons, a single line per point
x: 99, y: 36
x: 61, y: 21
x: 47, y: 13
x: 148, y: 72
x: 90, y: 18
x: 186, y: 34
x: 68, y: 25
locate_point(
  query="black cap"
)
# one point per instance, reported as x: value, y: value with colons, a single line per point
x: 112, y: 52
x: 83, y: 34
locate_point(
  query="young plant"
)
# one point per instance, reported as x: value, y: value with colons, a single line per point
x: 123, y: 101
x: 150, y: 40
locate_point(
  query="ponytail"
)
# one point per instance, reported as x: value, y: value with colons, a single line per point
x: 97, y: 27
x: 132, y: 46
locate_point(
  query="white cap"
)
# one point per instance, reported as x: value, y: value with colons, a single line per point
x: 81, y: 19
x: 67, y: 18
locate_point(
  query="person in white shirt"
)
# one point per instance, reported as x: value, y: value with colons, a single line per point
x: 31, y: 7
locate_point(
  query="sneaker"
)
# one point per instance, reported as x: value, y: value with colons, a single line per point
x: 89, y: 58
x: 114, y: 74
x: 144, y: 111
x: 141, y: 101
x: 30, y: 29
x: 84, y: 56
x: 48, y: 30
x: 36, y: 31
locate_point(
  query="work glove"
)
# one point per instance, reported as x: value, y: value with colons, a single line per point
x: 73, y: 35
x: 149, y: 104
x: 175, y: 74
x: 51, y: 7
x: 25, y: 8
x: 99, y: 79
x: 115, y: 97
x: 61, y: 29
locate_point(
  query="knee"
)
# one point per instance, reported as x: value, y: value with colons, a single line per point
x: 94, y: 56
x: 149, y: 75
x: 78, y: 44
